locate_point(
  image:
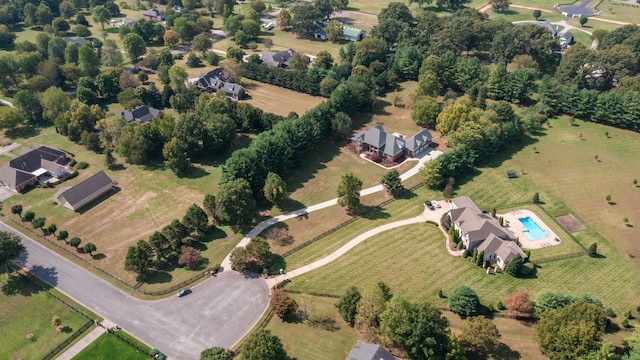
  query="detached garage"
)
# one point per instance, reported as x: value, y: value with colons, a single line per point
x: 78, y: 196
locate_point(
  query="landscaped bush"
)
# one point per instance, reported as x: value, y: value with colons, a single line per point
x: 82, y: 165
x: 28, y: 216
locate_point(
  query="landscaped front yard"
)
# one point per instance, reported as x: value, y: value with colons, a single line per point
x: 108, y: 346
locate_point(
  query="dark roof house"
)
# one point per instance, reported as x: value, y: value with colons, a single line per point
x: 376, y: 140
x: 33, y: 164
x: 153, y: 14
x: 233, y: 90
x: 364, y: 351
x: 484, y: 232
x: 78, y: 196
x: 277, y: 59
x: 140, y: 114
x: 566, y: 38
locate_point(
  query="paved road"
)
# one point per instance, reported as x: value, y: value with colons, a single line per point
x: 577, y: 10
x: 424, y: 157
x: 219, y: 312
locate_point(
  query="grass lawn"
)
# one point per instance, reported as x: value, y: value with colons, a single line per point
x: 271, y: 98
x: 108, y: 346
x: 304, y: 341
x: 593, y: 25
x: 407, y: 206
x: 283, y: 40
x: 144, y: 202
x: 619, y: 12
x: 581, y: 37
x: 516, y: 14
x: 24, y: 309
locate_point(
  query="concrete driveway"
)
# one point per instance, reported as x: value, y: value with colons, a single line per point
x: 219, y: 311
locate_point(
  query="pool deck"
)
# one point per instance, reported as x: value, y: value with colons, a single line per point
x: 512, y: 222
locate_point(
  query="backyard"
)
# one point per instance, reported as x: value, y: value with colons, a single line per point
x: 26, y: 312
x: 142, y: 204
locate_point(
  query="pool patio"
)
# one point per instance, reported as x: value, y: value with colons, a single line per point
x: 512, y: 222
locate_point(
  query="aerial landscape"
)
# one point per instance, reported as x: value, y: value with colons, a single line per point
x: 320, y: 179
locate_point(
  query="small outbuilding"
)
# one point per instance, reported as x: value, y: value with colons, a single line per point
x: 78, y: 196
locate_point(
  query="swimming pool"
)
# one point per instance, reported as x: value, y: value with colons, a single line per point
x: 533, y: 232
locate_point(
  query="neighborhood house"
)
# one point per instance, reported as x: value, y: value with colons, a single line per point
x: 482, y: 231
x: 377, y: 142
x: 214, y: 82
x: 364, y: 351
x: 76, y: 197
x: 277, y: 59
x: 153, y: 14
x: 349, y: 33
x: 34, y: 165
x: 140, y: 114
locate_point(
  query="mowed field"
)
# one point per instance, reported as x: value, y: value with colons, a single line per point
x: 279, y: 100
x: 26, y: 309
x: 334, y: 340
x: 147, y: 198
x: 107, y: 346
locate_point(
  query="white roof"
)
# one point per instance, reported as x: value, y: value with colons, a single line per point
x: 39, y: 172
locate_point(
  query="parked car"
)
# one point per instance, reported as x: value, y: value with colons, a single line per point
x: 183, y: 292
x: 429, y: 205
x: 268, y: 26
x: 435, y: 203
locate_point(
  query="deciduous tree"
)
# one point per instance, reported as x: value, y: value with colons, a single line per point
x: 10, y: 118
x: 519, y: 304
x: 334, y: 31
x: 425, y: 111
x: 215, y: 353
x: 480, y: 336
x: 235, y: 203
x: 283, y: 305
x: 275, y: 189
x: 10, y: 247
x: 75, y: 242
x: 89, y: 248
x: 263, y: 345
x: 196, y: 219
x: 139, y: 259
x: 101, y: 14
x: 134, y: 46
x: 175, y: 156
x: 189, y: 257
x: 349, y: 191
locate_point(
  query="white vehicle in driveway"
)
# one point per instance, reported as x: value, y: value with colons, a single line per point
x: 268, y: 26
x: 435, y: 203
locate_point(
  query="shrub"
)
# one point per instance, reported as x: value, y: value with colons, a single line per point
x: 627, y: 314
x: 283, y: 305
x: 82, y: 165
x: 38, y: 222
x: 465, y: 253
x: 193, y: 61
x: 213, y: 59
x: 143, y: 77
x: 464, y: 301
x: 459, y: 246
x: 28, y: 216
x: 440, y: 294
x: 625, y: 323
x: 593, y: 250
x: 536, y: 198
x: 75, y: 241
x: 610, y: 312
x: 500, y: 305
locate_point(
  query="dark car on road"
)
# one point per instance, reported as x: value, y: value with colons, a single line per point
x: 429, y: 205
x: 183, y: 292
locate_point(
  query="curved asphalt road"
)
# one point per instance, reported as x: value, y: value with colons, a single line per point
x: 219, y: 312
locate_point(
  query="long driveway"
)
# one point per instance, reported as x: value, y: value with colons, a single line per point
x: 426, y: 156
x: 219, y: 312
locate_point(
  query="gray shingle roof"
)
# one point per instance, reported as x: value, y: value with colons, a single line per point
x: 475, y: 223
x: 393, y: 146
x: 142, y: 113
x: 419, y: 140
x: 277, y: 58
x: 86, y: 188
x: 364, y: 351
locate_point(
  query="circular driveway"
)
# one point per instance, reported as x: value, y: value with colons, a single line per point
x: 219, y: 311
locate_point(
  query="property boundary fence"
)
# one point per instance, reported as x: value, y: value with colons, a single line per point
x: 53, y: 353
x: 340, y: 226
x: 135, y: 287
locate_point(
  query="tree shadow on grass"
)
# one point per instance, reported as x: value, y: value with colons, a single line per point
x: 19, y: 284
x: 67, y: 330
x: 276, y: 263
x: 22, y: 132
x: 324, y: 323
x: 504, y: 352
x: 315, y: 161
x: 99, y: 256
x: 375, y: 213
x: 159, y: 277
x: 290, y: 205
x: 214, y: 233
x: 195, y: 172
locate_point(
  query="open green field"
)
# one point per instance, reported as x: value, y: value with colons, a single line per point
x: 581, y: 37
x: 407, y: 206
x: 271, y: 98
x: 413, y: 261
x: 593, y: 25
x: 615, y: 11
x: 27, y: 309
x: 304, y: 341
x: 107, y: 347
x: 145, y: 202
x: 516, y: 14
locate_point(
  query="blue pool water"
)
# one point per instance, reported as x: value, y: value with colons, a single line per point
x: 533, y: 232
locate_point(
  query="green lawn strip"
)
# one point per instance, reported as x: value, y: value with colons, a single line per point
x: 583, y: 38
x: 412, y: 260
x: 108, y: 346
x: 304, y: 341
x: 407, y: 206
x: 619, y: 12
x: 26, y: 308
x: 593, y: 25
x: 518, y: 14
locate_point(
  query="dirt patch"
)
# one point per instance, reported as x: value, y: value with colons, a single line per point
x: 570, y: 223
x: 356, y: 18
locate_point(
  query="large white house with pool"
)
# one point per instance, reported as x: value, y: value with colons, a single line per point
x: 482, y: 231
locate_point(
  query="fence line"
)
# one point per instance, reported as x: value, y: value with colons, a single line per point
x: 570, y: 235
x: 312, y: 293
x: 52, y: 354
x: 340, y: 226
x: 135, y: 287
